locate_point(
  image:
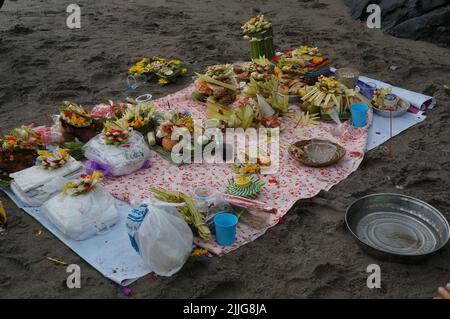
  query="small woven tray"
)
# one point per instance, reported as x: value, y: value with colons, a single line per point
x: 303, y: 158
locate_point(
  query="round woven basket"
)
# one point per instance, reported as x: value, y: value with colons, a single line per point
x: 296, y: 151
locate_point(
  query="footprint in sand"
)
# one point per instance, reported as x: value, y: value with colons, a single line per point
x: 5, y: 280
x: 225, y: 290
x: 20, y: 29
x: 319, y: 5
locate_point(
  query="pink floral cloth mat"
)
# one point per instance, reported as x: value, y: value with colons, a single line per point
x: 292, y: 182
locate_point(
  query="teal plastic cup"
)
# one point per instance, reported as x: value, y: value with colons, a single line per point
x: 359, y: 114
x: 225, y: 228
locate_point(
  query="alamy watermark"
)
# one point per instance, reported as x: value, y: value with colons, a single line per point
x: 374, y: 19
x: 73, y: 20
x: 215, y: 146
x: 74, y: 278
x: 374, y: 279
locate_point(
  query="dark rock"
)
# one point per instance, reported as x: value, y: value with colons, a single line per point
x: 358, y: 7
x: 427, y: 20
x: 433, y: 25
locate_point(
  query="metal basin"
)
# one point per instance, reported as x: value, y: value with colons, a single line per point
x: 398, y: 226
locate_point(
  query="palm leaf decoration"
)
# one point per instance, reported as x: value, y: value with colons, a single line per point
x: 189, y: 212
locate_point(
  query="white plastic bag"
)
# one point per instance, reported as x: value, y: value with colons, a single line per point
x: 83, y: 216
x: 123, y: 159
x: 161, y: 236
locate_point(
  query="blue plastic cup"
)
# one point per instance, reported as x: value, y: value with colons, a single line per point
x: 359, y: 114
x: 225, y: 228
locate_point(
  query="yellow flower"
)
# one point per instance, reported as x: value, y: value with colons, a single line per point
x: 199, y: 252
x: 138, y: 122
x: 162, y: 81
x: 63, y: 153
x: 183, y: 70
x: 67, y: 186
x: 44, y: 154
x: 330, y: 82
x: 97, y: 175
x: 136, y: 69
x: 250, y: 169
x: 178, y: 62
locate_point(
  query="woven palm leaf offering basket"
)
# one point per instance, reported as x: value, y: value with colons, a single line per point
x: 77, y: 122
x: 116, y: 133
x: 163, y: 70
x: 316, y: 153
x: 257, y: 105
x: 175, y: 128
x: 18, y: 149
x: 258, y: 69
x: 387, y: 104
x: 329, y: 95
x: 140, y: 117
x: 217, y: 82
x: 298, y: 67
x: 245, y: 186
x: 260, y: 35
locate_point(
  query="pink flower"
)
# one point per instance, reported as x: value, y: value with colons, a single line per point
x: 127, y: 291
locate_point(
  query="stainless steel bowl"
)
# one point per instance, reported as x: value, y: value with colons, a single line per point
x: 399, y: 226
x: 404, y: 106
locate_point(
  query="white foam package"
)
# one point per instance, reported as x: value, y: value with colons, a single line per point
x: 83, y: 216
x: 34, y: 185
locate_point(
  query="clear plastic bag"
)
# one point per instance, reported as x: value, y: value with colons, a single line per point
x: 51, y: 135
x: 161, y: 236
x: 83, y: 216
x: 123, y: 159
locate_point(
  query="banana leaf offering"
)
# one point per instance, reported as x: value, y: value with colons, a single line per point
x: 328, y: 94
x: 270, y: 102
x: 164, y: 70
x: 189, y: 212
x: 243, y: 115
x: 249, y: 112
x: 257, y: 69
x: 259, y: 32
x: 302, y: 60
x: 303, y: 64
x: 140, y: 117
x: 265, y: 88
x: 218, y: 82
